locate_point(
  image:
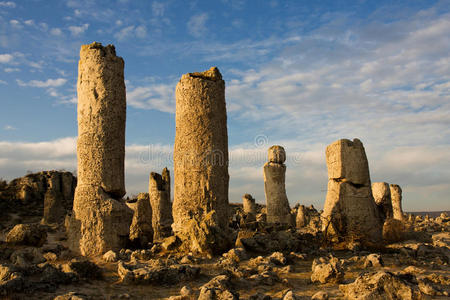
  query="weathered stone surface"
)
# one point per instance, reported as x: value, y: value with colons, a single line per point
x: 327, y: 269
x: 394, y: 231
x: 382, y: 285
x: 396, y: 198
x: 141, y: 231
x: 249, y: 207
x: 301, y: 219
x: 347, y: 160
x: 350, y: 213
x: 100, y: 222
x: 382, y: 196
x: 27, y: 234
x: 159, y: 191
x: 217, y: 288
x: 201, y: 160
x: 54, y: 211
x: 278, y: 210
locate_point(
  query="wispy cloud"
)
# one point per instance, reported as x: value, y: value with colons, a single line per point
x: 131, y: 31
x: 197, y: 25
x: 8, y: 4
x: 6, y: 58
x: 3, y: 82
x: 154, y: 96
x: 78, y: 30
x: 9, y: 127
x: 43, y: 84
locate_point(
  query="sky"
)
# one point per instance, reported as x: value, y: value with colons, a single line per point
x: 301, y: 74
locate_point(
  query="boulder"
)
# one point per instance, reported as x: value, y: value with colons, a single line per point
x: 327, y: 269
x: 27, y: 234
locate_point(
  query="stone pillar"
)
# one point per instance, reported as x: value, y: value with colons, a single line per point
x: 53, y: 206
x: 350, y: 213
x: 396, y: 196
x: 249, y: 207
x: 382, y: 196
x: 302, y: 218
x: 159, y: 191
x: 200, y: 207
x: 141, y: 232
x: 100, y: 221
x: 278, y: 210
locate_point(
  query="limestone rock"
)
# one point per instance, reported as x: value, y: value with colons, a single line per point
x: 110, y: 256
x: 278, y: 210
x: 83, y: 269
x: 321, y: 295
x: 382, y: 285
x: 201, y: 161
x: 394, y: 231
x: 382, y: 196
x: 54, y: 211
x: 27, y: 234
x: 141, y: 231
x: 217, y: 288
x: 373, y: 260
x: 159, y: 191
x: 326, y: 270
x: 396, y: 198
x: 301, y: 218
x: 249, y: 206
x: 100, y: 221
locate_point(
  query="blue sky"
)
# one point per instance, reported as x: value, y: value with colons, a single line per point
x: 301, y: 74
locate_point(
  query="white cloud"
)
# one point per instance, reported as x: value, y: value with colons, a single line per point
x: 158, y: 8
x: 9, y: 127
x: 197, y: 25
x: 6, y: 58
x: 8, y: 4
x: 29, y: 22
x: 155, y: 96
x: 131, y: 31
x: 56, y: 31
x: 77, y: 30
x: 15, y: 23
x: 3, y: 82
x: 10, y: 70
x: 43, y: 84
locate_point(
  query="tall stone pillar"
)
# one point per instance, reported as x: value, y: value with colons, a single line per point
x: 382, y: 196
x: 249, y: 206
x: 350, y: 213
x: 278, y: 210
x: 200, y: 207
x: 159, y: 191
x: 141, y: 230
x: 396, y: 196
x: 100, y: 221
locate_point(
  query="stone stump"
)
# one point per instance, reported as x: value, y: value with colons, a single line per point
x: 278, y: 210
x: 159, y: 191
x: 141, y: 231
x: 302, y: 218
x: 53, y: 199
x: 100, y: 221
x: 382, y: 196
x: 249, y: 207
x: 350, y: 213
x: 200, y: 207
x: 396, y: 197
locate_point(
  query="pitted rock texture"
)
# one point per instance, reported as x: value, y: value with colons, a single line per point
x: 100, y: 221
x: 350, y: 213
x: 159, y: 191
x: 382, y: 196
x: 201, y: 158
x: 278, y: 210
x: 141, y: 230
x: 396, y: 197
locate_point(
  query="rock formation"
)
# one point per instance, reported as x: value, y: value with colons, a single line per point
x: 249, y: 207
x: 301, y: 219
x: 159, y: 191
x: 200, y: 207
x: 350, y: 213
x: 382, y: 196
x: 100, y: 221
x: 278, y: 210
x: 396, y: 197
x: 141, y: 232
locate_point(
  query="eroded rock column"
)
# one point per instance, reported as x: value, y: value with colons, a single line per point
x: 382, y: 196
x: 159, y: 191
x: 249, y: 207
x: 396, y: 196
x: 100, y: 221
x: 200, y: 207
x: 141, y: 231
x: 278, y: 210
x: 350, y: 213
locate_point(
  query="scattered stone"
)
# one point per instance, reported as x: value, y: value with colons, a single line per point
x: 373, y: 260
x: 50, y: 256
x: 200, y: 207
x: 71, y: 296
x: 217, y: 288
x: 27, y: 234
x: 110, y: 256
x: 327, y: 269
x: 321, y: 295
x: 278, y: 210
x: 382, y: 285
x: 236, y: 255
x: 290, y: 296
x: 170, y: 243
x: 83, y: 269
x: 159, y: 191
x: 100, y: 221
x: 350, y: 213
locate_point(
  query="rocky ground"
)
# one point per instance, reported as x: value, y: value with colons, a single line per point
x: 267, y: 262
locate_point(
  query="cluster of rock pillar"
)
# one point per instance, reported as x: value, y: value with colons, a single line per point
x: 200, y: 206
x: 100, y: 221
x: 350, y: 214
